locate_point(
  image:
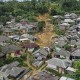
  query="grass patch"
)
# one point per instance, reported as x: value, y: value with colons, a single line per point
x: 31, y: 59
x: 10, y: 60
x: 54, y: 72
x: 57, y: 31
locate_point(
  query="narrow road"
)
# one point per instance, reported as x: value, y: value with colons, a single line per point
x: 34, y: 70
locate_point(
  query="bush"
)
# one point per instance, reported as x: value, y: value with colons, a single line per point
x: 32, y: 18
x: 31, y: 59
x: 57, y: 31
x: 49, y: 56
x: 10, y: 60
x: 77, y: 12
x: 24, y: 56
x: 41, y: 25
x: 67, y: 47
x: 18, y: 18
x: 53, y: 12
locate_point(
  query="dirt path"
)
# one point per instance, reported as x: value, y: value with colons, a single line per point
x: 44, y: 38
x: 34, y: 70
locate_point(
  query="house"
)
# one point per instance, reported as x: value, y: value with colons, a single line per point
x: 32, y: 28
x: 23, y: 38
x: 64, y: 26
x: 24, y: 27
x: 70, y: 21
x: 12, y: 36
x: 72, y: 30
x: 12, y: 71
x: 7, y: 31
x: 70, y: 15
x: 21, y: 28
x: 4, y: 40
x: 78, y: 27
x: 20, y: 39
x: 1, y: 26
x: 65, y: 78
x: 67, y: 16
x: 60, y: 41
x: 56, y: 16
x: 18, y: 72
x: 76, y: 54
x: 72, y: 43
x: 78, y: 20
x: 78, y: 44
x: 31, y: 37
x: 59, y: 65
x: 71, y: 70
x: 44, y: 75
x: 73, y: 37
x: 37, y: 63
x: 73, y: 16
x: 62, y: 54
x: 41, y: 54
x: 78, y: 33
x: 10, y: 50
x: 31, y: 47
x: 24, y: 21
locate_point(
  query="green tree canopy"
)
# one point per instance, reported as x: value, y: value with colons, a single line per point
x: 41, y: 25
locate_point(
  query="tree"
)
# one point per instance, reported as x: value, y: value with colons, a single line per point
x: 1, y: 32
x: 33, y: 2
x: 67, y: 47
x: 77, y: 73
x: 53, y: 12
x: 0, y: 48
x: 4, y: 19
x: 41, y: 25
x: 70, y: 5
x: 49, y: 56
x: 24, y: 56
x: 42, y: 7
x: 18, y: 18
x: 18, y: 12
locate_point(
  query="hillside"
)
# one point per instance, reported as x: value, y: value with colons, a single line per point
x: 45, y: 38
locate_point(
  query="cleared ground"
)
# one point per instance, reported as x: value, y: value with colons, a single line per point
x: 45, y: 38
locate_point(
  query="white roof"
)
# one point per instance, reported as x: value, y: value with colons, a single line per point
x: 12, y: 36
x: 56, y: 16
x: 24, y: 39
x: 65, y: 78
x: 65, y: 24
x: 8, y: 22
x: 79, y: 24
x: 71, y: 69
x: 25, y: 35
x: 78, y: 32
x: 73, y: 14
x: 78, y: 19
x: 67, y: 15
x: 68, y: 20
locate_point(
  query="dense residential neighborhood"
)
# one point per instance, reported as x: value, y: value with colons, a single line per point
x: 40, y: 40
